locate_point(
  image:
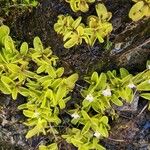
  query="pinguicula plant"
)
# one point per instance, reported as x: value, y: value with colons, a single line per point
x: 80, y: 5
x: 110, y: 88
x: 106, y: 90
x: 74, y: 32
x: 99, y: 26
x: 87, y: 141
x: 140, y: 9
x: 43, y: 86
x: 47, y: 90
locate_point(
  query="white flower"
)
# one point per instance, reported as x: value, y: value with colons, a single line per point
x: 106, y: 92
x: 89, y: 97
x: 75, y: 116
x: 97, y: 134
x: 131, y: 86
x: 148, y: 81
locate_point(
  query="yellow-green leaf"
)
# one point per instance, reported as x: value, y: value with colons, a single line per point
x: 136, y: 12
x: 24, y: 48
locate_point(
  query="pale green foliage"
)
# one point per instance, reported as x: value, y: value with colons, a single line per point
x: 47, y: 90
x: 140, y: 9
x: 96, y: 123
x: 74, y: 32
x: 98, y: 26
x: 80, y: 5
x: 103, y: 93
x: 82, y: 141
x: 52, y: 146
x: 112, y: 88
x: 43, y: 86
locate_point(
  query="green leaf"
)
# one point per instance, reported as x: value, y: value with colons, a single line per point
x: 75, y: 121
x: 137, y: 79
x: 102, y: 12
x: 60, y: 72
x: 101, y: 84
x: 7, y: 80
x: 53, y: 146
x: 76, y: 142
x: 31, y: 122
x: 84, y: 7
x: 13, y: 68
x: 145, y: 96
x: 70, y: 43
x: 86, y: 128
x: 23, y: 91
x: 85, y: 115
x: 34, y: 131
x: 103, y: 130
x: 123, y: 73
x: 43, y: 147
x: 51, y: 71
x: 76, y: 23
x: 41, y: 69
x: 94, y: 77
x: 100, y: 38
x: 56, y: 83
x: 61, y: 104
x: 5, y: 88
x: 144, y: 86
x: 60, y: 93
x: 85, y: 103
x: 22, y: 106
x: 136, y: 12
x: 116, y: 101
x: 24, y: 48
x: 14, y: 93
x: 67, y: 35
x: 4, y: 30
x: 28, y: 113
x: 104, y: 120
x: 38, y: 44
x: 112, y: 78
x: 70, y: 81
x: 9, y: 44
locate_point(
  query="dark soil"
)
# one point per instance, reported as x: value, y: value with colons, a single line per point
x: 130, y: 48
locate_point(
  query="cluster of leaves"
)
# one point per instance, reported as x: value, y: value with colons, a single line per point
x: 110, y: 88
x: 103, y: 93
x: 74, y: 32
x: 82, y: 141
x: 47, y: 91
x: 140, y: 9
x: 80, y: 5
x: 43, y: 85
